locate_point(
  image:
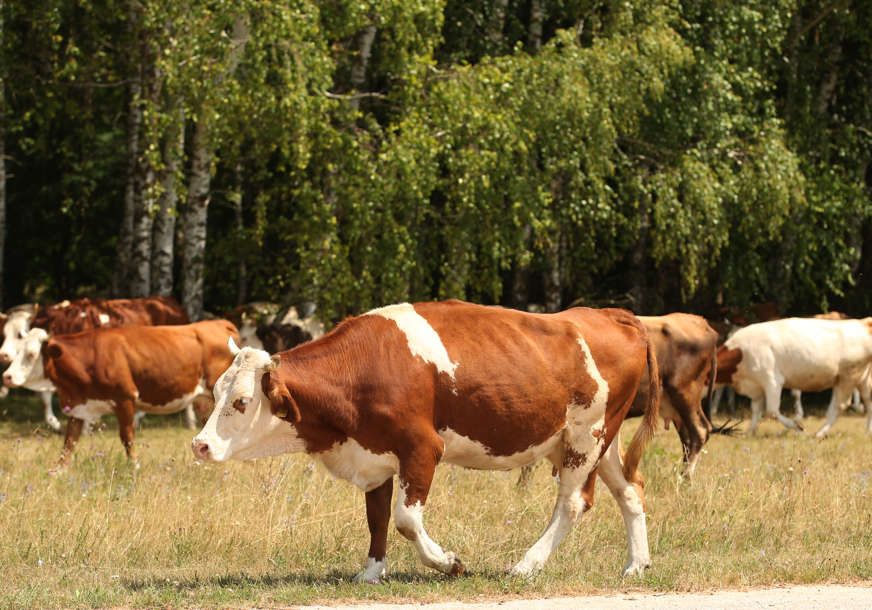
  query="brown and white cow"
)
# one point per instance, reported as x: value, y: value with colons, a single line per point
x: 685, y: 345
x: 82, y: 314
x: 400, y: 389
x: 155, y: 369
x: 805, y: 354
x: 264, y: 326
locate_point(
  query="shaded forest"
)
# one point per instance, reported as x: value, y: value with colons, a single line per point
x: 662, y: 154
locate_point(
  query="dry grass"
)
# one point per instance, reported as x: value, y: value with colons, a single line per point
x: 779, y: 508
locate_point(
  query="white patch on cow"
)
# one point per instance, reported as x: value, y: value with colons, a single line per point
x: 372, y: 571
x: 26, y: 368
x: 177, y: 404
x: 91, y: 410
x: 409, y: 520
x: 422, y: 339
x: 83, y: 314
x: 354, y: 463
x: 103, y: 318
x: 14, y: 332
x: 464, y: 451
x: 256, y: 433
x: 248, y: 334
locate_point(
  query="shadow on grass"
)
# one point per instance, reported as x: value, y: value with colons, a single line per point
x: 333, y: 579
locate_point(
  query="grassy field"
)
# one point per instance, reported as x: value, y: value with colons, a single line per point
x: 778, y: 508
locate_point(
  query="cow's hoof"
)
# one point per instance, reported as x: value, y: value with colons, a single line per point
x: 54, y: 424
x: 457, y: 568
x: 372, y: 572
x: 636, y: 568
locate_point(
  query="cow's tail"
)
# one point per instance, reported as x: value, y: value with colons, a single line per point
x: 649, y: 421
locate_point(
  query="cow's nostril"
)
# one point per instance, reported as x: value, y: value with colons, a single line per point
x: 201, y: 449
x: 7, y: 379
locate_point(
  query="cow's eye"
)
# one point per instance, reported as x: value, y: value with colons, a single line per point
x: 22, y: 334
x: 239, y: 404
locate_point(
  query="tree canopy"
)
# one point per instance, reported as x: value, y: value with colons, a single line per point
x: 661, y: 154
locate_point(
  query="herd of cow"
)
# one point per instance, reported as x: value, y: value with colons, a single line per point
x: 398, y: 390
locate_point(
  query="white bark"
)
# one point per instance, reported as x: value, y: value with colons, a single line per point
x: 537, y: 17
x: 2, y: 161
x: 364, y: 49
x: 121, y: 274
x: 165, y: 217
x: 194, y: 222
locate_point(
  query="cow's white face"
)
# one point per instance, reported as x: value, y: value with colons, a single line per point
x: 27, y: 365
x: 15, y: 329
x: 242, y: 425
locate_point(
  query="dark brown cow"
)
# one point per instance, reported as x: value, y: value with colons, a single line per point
x: 686, y: 347
x: 156, y: 369
x: 405, y: 387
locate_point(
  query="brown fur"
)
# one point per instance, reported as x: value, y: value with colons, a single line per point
x: 84, y: 314
x: 686, y: 348
x: 152, y: 364
x: 728, y: 362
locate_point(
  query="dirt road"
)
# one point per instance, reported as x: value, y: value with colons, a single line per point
x: 790, y: 597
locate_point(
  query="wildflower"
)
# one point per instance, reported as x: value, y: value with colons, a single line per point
x: 67, y: 409
x: 39, y: 563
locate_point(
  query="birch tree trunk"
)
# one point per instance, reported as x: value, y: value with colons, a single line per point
x: 364, y: 49
x: 554, y: 274
x: 165, y: 217
x: 121, y: 273
x: 241, y: 268
x: 196, y: 207
x: 497, y: 24
x: 143, y: 220
x: 534, y: 32
x: 194, y: 223
x: 2, y: 160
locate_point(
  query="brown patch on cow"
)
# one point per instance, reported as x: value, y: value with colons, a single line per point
x: 728, y: 363
x: 84, y: 314
x: 573, y: 459
x: 406, y: 533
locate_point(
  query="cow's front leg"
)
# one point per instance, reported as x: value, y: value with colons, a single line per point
x: 833, y: 410
x: 416, y: 474
x: 378, y: 515
x: 631, y: 500
x: 798, y: 413
x: 125, y: 412
x: 74, y: 430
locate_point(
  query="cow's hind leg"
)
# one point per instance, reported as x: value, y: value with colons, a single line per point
x: 582, y: 448
x: 378, y: 514
x: 840, y: 394
x: 756, y: 412
x: 631, y: 500
x: 124, y: 411
x: 416, y: 475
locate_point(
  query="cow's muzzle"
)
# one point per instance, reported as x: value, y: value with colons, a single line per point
x: 201, y: 450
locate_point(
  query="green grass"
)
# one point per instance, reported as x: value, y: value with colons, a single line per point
x: 778, y: 508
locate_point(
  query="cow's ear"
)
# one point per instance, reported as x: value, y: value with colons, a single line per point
x: 52, y: 350
x: 282, y: 404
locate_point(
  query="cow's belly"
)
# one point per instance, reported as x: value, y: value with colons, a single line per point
x: 469, y: 453
x: 175, y: 405
x: 91, y: 411
x: 354, y: 463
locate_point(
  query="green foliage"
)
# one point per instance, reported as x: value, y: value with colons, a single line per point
x: 727, y: 142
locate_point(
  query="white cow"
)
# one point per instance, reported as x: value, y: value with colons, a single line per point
x: 799, y: 353
x: 16, y: 324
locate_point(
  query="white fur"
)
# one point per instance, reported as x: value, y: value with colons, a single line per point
x: 803, y: 354
x: 422, y: 339
x: 14, y: 331
x: 91, y: 410
x: 410, y: 520
x: 372, y: 571
x: 177, y: 404
x: 103, y: 318
x: 256, y: 433
x: 26, y: 368
x: 350, y: 461
x: 468, y: 453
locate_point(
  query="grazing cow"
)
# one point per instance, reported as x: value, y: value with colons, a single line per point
x: 686, y: 347
x: 262, y: 326
x: 83, y: 314
x: 156, y: 369
x: 401, y: 388
x: 806, y: 354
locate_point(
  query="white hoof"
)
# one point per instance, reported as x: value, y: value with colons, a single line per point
x: 372, y: 572
x: 53, y: 423
x: 635, y: 568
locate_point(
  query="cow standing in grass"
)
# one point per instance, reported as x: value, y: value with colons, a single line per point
x: 805, y: 354
x: 156, y: 369
x: 83, y: 314
x: 405, y: 387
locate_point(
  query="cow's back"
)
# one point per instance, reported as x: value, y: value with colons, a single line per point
x: 809, y: 354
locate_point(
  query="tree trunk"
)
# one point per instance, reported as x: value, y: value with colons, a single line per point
x: 241, y: 269
x: 165, y: 218
x: 534, y: 32
x: 143, y: 220
x: 194, y: 222
x: 2, y: 159
x: 554, y: 274
x: 638, y: 270
x: 121, y: 273
x: 497, y: 23
x: 521, y: 277
x: 364, y: 49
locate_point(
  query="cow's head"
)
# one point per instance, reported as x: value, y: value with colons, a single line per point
x: 27, y: 365
x: 253, y: 415
x: 15, y: 327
